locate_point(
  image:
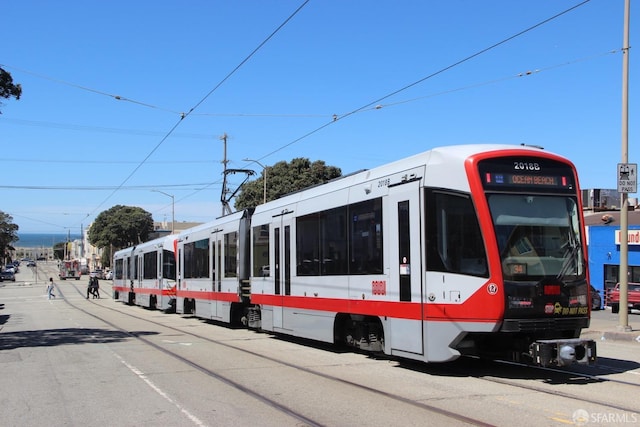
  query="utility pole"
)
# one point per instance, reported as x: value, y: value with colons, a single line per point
x: 226, y: 206
x: 226, y: 209
x: 624, y: 212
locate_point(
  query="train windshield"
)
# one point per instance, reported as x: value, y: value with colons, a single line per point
x: 538, y: 236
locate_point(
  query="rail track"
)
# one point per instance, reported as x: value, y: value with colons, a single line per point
x: 517, y: 377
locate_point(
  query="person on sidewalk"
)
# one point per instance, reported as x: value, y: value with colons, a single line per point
x: 50, y: 288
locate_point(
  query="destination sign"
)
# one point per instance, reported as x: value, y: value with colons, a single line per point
x: 513, y: 173
x: 526, y: 180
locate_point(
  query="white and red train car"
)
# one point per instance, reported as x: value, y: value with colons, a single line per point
x: 461, y: 250
x: 146, y: 274
x: 214, y: 269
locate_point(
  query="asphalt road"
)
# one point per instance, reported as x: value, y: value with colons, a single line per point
x: 76, y: 362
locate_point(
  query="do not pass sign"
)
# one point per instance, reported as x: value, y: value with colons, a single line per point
x: 627, y: 177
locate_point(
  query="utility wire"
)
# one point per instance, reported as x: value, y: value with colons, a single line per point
x: 301, y: 115
x: 105, y: 188
x: 107, y: 162
x: 494, y: 81
x: 88, y: 89
x: 430, y: 76
x: 198, y: 104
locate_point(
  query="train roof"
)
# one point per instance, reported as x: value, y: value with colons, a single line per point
x: 449, y: 159
x: 235, y: 216
x: 164, y: 241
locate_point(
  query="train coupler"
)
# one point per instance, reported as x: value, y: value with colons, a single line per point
x: 563, y: 352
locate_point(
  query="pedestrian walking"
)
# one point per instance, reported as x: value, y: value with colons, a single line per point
x: 96, y: 288
x: 50, y: 288
x: 92, y: 288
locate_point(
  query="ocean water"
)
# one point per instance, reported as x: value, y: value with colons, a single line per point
x: 38, y: 240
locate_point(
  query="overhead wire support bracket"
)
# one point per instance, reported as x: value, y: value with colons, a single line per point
x: 226, y: 207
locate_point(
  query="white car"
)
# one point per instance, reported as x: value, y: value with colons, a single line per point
x: 109, y: 275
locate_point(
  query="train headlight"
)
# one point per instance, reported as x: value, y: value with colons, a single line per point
x: 567, y: 353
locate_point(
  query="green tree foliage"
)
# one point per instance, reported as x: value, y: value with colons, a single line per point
x: 120, y: 226
x: 284, y: 178
x: 8, y: 235
x: 7, y: 87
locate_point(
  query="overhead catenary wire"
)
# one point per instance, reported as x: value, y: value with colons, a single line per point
x: 105, y: 188
x: 182, y: 117
x: 373, y: 105
x: 377, y: 101
x: 332, y: 116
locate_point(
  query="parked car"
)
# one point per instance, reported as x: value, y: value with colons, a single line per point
x: 109, y: 275
x: 7, y: 275
x: 633, y: 297
x: 596, y: 299
x: 98, y: 273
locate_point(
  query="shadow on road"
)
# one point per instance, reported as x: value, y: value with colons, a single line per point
x: 54, y: 337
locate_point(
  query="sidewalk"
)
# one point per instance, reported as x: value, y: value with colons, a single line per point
x: 605, y: 326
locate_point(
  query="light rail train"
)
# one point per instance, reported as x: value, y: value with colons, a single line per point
x: 462, y: 250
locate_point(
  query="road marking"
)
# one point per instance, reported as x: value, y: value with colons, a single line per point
x: 176, y: 342
x: 157, y: 389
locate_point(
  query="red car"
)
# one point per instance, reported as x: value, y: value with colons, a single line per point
x: 633, y: 297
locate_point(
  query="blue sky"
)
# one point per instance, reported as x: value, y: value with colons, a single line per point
x: 71, y: 149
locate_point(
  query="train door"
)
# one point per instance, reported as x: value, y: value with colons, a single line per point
x: 140, y: 270
x: 133, y: 277
x: 405, y: 262
x: 282, y: 256
x: 216, y: 268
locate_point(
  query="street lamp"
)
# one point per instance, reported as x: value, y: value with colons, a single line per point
x: 264, y: 169
x: 173, y: 208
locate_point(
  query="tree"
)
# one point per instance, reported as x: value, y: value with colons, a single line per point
x: 7, y: 88
x: 8, y: 235
x: 284, y: 178
x: 120, y: 226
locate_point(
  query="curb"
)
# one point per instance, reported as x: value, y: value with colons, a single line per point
x: 613, y: 335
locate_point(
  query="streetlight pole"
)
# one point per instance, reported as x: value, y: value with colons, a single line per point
x: 173, y: 208
x: 264, y: 179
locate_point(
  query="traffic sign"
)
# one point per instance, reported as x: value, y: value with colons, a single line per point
x: 627, y: 177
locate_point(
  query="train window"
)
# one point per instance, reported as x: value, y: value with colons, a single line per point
x: 168, y: 265
x: 119, y: 269
x: 196, y: 259
x: 307, y: 245
x: 453, y: 236
x: 261, y: 266
x: 537, y: 235
x: 149, y: 265
x: 366, y: 237
x: 321, y: 243
x: 230, y: 254
x: 327, y: 243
